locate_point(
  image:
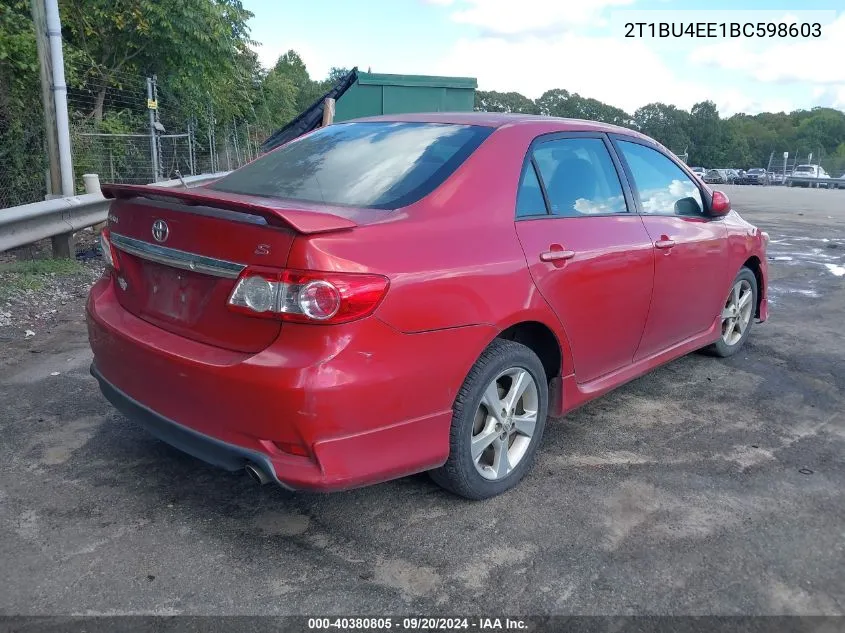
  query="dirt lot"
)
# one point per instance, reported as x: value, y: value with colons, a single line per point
x: 708, y: 487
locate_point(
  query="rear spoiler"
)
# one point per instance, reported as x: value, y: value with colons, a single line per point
x: 303, y: 221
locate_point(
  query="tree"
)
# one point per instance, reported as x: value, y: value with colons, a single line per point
x: 562, y: 103
x: 822, y: 129
x: 664, y: 123
x: 335, y: 75
x: 22, y: 158
x: 493, y: 101
x: 187, y: 38
x: 706, y: 135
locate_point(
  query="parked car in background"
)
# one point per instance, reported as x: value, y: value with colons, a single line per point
x: 716, y: 177
x: 778, y: 177
x: 739, y: 176
x: 698, y: 171
x: 315, y: 319
x: 757, y: 176
x: 733, y: 176
x: 803, y: 175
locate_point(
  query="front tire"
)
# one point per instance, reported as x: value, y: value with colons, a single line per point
x: 497, y: 424
x: 737, y: 314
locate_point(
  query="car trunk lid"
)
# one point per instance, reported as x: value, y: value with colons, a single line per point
x: 180, y: 253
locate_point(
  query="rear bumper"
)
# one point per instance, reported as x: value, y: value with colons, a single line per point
x: 321, y: 408
x: 204, y: 447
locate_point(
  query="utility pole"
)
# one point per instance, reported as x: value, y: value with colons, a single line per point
x: 39, y: 19
x: 48, y: 38
x: 191, y: 146
x: 151, y: 106
x: 57, y: 61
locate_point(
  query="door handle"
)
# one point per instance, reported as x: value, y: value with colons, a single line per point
x: 664, y: 243
x: 556, y: 256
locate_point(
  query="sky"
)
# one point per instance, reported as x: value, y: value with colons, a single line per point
x: 531, y: 46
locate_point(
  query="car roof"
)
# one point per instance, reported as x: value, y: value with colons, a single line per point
x: 502, y: 119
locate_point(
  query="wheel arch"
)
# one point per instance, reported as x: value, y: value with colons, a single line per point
x: 755, y: 266
x: 540, y: 339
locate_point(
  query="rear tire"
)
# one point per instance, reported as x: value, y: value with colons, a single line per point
x: 737, y: 314
x: 498, y: 422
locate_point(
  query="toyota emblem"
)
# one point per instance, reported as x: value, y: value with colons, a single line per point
x: 160, y: 231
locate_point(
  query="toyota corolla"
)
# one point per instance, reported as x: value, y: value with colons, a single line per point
x: 413, y: 293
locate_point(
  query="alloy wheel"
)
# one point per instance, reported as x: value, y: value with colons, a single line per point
x: 504, y: 423
x: 736, y: 315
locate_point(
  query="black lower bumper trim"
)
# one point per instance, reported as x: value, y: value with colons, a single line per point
x: 208, y: 449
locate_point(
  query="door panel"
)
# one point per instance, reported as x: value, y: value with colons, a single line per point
x: 687, y: 280
x: 690, y: 248
x: 602, y: 293
x: 591, y: 259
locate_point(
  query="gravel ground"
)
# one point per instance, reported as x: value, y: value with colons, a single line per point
x: 706, y: 487
x: 33, y: 302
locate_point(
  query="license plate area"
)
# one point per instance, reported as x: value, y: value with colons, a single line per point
x: 179, y: 296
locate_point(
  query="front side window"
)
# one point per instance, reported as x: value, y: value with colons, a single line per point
x: 579, y: 177
x: 663, y: 187
x: 383, y: 165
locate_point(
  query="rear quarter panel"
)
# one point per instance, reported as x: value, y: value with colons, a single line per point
x: 453, y: 258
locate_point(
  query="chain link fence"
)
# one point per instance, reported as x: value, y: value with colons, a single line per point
x: 23, y: 157
x: 112, y: 134
x: 781, y: 163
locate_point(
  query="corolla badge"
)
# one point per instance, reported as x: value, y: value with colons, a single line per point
x: 160, y: 231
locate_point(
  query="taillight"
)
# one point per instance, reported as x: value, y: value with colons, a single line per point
x: 108, y: 250
x: 307, y: 296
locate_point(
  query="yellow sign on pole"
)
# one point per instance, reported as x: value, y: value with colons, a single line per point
x: 152, y: 104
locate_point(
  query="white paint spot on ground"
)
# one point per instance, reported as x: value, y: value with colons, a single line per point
x: 839, y: 271
x: 804, y: 292
x: 53, y: 365
x: 808, y: 239
x: 794, y: 600
x: 65, y: 437
x: 408, y: 578
x: 475, y: 574
x: 609, y: 458
x: 783, y: 258
x: 627, y: 509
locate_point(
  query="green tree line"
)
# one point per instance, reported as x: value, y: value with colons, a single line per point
x: 200, y: 51
x: 208, y: 72
x: 741, y: 140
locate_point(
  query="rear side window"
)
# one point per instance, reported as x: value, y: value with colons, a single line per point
x: 384, y: 165
x: 579, y: 177
x: 530, y: 200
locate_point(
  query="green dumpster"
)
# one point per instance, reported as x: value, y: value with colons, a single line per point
x: 374, y: 93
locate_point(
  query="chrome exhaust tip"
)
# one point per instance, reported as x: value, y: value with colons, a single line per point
x: 257, y: 474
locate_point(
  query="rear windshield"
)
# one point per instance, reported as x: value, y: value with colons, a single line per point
x: 756, y: 170
x: 804, y: 168
x: 384, y: 165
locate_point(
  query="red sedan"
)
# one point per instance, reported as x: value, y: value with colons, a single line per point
x: 413, y: 293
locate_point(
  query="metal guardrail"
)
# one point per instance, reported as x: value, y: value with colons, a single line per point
x: 29, y: 223
x: 830, y: 183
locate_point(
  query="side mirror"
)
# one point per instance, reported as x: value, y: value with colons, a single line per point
x: 688, y: 206
x: 721, y: 204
